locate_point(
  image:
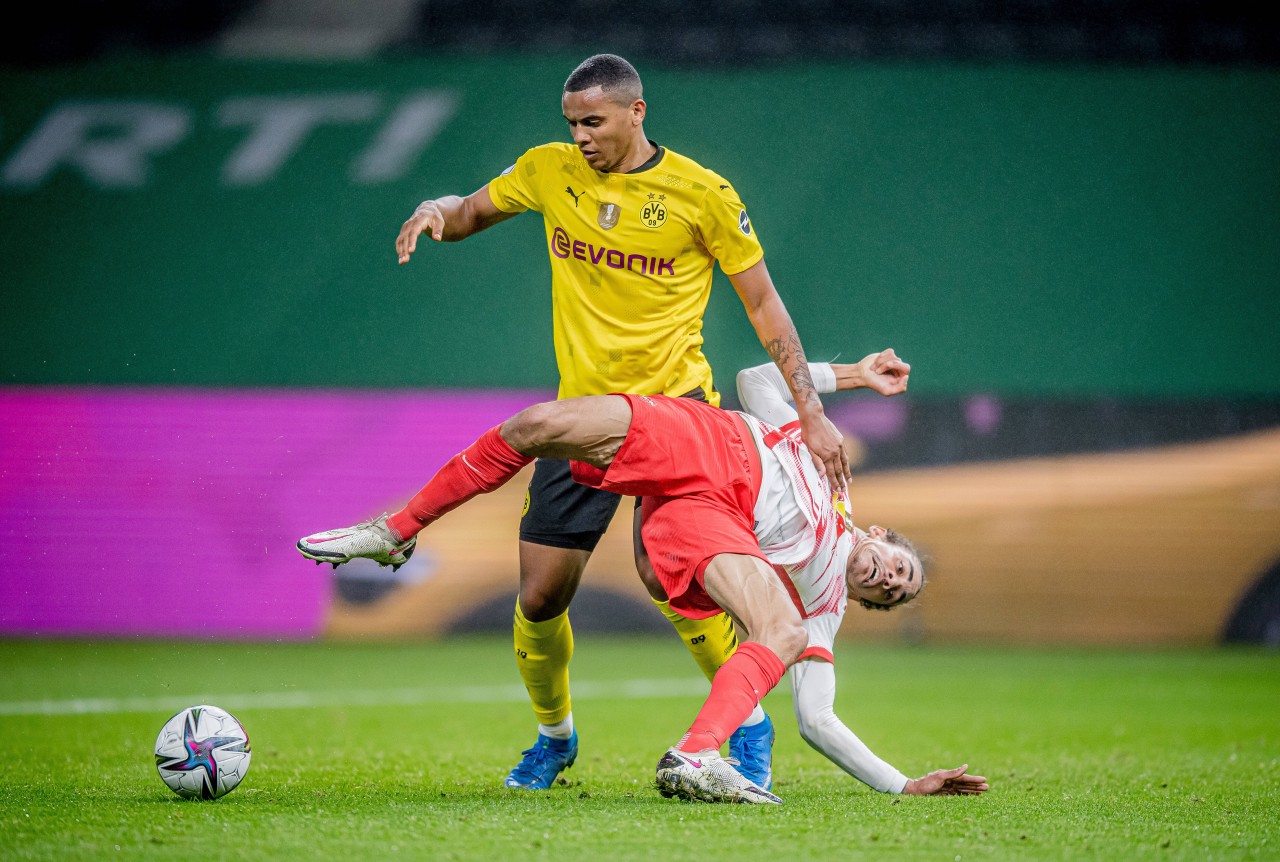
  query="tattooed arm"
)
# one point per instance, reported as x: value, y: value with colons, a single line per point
x: 778, y: 334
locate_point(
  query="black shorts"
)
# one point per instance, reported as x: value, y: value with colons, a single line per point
x: 563, y: 514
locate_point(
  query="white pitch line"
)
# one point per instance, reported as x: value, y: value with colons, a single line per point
x: 632, y: 689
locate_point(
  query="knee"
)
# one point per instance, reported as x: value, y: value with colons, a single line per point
x: 534, y: 427
x: 787, y: 640
x: 539, y: 603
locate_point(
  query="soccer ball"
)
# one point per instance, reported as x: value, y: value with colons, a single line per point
x: 202, y: 752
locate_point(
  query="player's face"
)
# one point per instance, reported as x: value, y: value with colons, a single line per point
x: 882, y: 572
x: 603, y: 129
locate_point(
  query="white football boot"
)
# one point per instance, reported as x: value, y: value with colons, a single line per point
x: 370, y: 540
x: 705, y: 776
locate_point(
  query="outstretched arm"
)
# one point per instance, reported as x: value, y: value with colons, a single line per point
x: 778, y: 334
x: 763, y: 392
x: 449, y: 219
x: 813, y: 685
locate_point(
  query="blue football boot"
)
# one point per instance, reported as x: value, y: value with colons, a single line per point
x: 542, y: 763
x: 752, y: 748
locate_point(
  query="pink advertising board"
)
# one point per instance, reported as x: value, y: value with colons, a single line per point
x: 174, y: 513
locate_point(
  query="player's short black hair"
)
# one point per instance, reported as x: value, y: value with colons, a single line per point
x: 611, y: 73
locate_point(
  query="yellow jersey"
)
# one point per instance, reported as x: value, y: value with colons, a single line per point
x: 632, y: 257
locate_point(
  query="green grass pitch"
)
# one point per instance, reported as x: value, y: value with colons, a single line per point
x: 398, y: 752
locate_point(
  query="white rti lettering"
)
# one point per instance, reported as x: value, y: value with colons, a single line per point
x: 112, y: 143
x: 280, y: 126
x: 115, y: 144
x: 411, y: 129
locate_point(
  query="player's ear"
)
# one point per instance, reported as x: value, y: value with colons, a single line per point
x: 638, y: 108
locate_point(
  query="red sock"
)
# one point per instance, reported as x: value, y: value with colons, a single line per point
x: 748, y: 675
x: 484, y: 466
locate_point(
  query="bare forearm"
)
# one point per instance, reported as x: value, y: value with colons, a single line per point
x: 848, y: 376
x: 882, y: 372
x: 781, y: 341
x: 778, y: 335
x: 458, y: 222
x: 462, y: 217
x: 764, y: 394
x: 448, y: 219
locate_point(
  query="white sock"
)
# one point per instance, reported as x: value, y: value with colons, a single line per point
x: 756, y: 716
x: 559, y: 730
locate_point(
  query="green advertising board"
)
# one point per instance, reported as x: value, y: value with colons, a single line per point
x: 1048, y: 231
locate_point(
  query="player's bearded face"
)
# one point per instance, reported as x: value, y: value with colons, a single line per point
x: 603, y: 129
x: 882, y: 572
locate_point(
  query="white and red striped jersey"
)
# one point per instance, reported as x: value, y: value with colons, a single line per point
x: 808, y: 535
x: 800, y: 529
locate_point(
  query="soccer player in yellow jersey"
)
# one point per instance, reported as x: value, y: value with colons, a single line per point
x: 634, y: 231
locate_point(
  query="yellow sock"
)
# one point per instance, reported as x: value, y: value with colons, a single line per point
x: 711, y: 641
x: 543, y: 651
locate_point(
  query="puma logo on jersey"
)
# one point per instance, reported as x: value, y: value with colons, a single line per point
x: 569, y: 190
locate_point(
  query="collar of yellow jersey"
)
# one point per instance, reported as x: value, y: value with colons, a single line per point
x: 659, y: 152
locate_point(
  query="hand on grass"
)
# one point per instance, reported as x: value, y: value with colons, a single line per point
x: 947, y: 782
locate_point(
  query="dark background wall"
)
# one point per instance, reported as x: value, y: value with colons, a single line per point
x: 733, y: 32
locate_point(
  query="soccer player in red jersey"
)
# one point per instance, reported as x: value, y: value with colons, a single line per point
x: 736, y: 519
x: 634, y: 231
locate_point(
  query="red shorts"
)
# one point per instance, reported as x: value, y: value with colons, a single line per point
x: 697, y: 468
